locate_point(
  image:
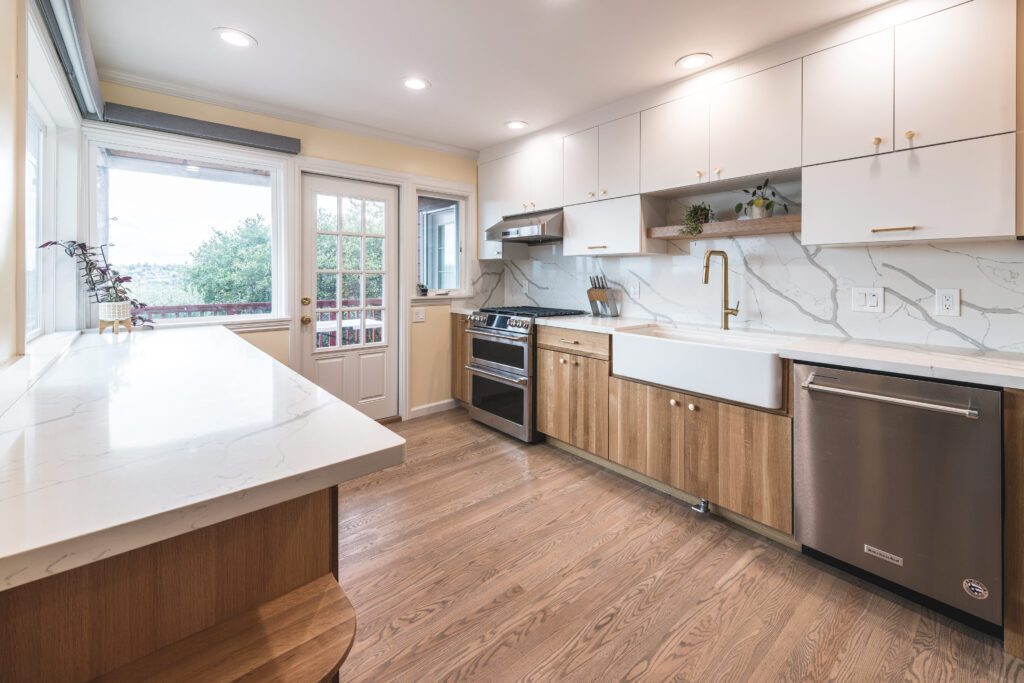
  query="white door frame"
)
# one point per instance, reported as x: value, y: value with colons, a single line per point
x: 409, y: 186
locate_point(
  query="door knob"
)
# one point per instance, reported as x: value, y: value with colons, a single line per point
x: 306, y: 319
x: 306, y: 301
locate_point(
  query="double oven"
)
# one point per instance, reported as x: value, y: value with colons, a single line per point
x: 502, y: 346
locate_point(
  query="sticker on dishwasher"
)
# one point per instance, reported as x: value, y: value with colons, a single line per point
x: 881, y: 554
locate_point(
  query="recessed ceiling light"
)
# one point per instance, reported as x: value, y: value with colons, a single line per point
x: 233, y: 36
x: 192, y: 168
x: 416, y: 83
x: 515, y: 125
x: 694, y: 61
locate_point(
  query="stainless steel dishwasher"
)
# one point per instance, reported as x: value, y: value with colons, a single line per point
x: 902, y: 478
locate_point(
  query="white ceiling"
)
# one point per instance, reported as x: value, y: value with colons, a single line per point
x: 489, y: 61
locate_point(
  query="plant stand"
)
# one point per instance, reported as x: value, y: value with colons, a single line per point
x: 116, y: 325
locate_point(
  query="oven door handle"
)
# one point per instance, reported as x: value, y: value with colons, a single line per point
x: 511, y: 379
x: 514, y: 338
x: 968, y: 413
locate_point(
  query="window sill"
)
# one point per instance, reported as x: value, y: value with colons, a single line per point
x: 246, y: 324
x: 17, y: 376
x: 434, y: 298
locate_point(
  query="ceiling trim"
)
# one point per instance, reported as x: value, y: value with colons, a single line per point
x: 293, y: 115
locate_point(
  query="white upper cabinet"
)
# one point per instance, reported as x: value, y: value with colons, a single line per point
x: 579, y: 151
x: 755, y: 123
x: 614, y: 226
x: 619, y: 157
x: 544, y: 166
x: 963, y: 190
x: 674, y: 144
x: 956, y: 74
x: 502, y: 186
x: 848, y: 100
x: 603, y: 162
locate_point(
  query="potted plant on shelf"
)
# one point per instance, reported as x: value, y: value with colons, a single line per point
x: 695, y: 217
x: 105, y: 285
x: 761, y: 203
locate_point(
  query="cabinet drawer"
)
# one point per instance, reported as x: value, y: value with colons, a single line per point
x: 961, y: 190
x: 593, y: 344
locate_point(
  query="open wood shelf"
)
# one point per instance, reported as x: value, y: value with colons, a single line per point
x: 748, y: 228
x: 303, y: 635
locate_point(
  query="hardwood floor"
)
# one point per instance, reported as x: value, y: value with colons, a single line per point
x: 482, y: 558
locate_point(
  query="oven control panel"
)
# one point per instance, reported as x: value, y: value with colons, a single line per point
x: 496, y: 321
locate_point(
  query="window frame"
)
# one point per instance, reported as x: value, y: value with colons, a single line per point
x: 100, y: 136
x: 464, y: 289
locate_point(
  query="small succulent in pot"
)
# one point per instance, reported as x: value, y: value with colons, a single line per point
x: 695, y: 217
x: 762, y: 202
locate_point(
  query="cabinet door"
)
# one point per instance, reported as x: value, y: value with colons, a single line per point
x: 589, y: 404
x: 500, y: 185
x: 613, y: 226
x: 545, y: 171
x: 627, y: 424
x: 755, y: 123
x: 674, y: 144
x: 755, y: 466
x: 461, y: 382
x: 554, y: 395
x: 580, y: 167
x: 700, y: 466
x: 956, y: 74
x: 619, y: 157
x: 666, y: 437
x: 848, y: 93
x: 963, y: 190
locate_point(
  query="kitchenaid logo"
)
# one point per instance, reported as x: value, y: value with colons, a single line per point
x: 881, y: 554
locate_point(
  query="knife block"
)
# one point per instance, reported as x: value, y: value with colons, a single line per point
x: 602, y: 302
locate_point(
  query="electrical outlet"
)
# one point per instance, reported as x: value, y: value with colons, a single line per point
x: 526, y: 286
x: 634, y: 289
x: 419, y: 315
x: 947, y: 302
x: 868, y: 299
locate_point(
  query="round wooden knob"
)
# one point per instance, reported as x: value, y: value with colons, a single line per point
x: 876, y: 141
x: 672, y: 402
x: 691, y: 407
x: 909, y: 135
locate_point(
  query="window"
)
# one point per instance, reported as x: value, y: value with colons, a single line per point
x: 196, y: 236
x: 440, y: 238
x: 35, y: 235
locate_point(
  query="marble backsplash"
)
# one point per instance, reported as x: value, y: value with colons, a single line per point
x: 783, y: 286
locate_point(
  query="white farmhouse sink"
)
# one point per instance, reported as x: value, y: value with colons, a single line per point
x: 736, y: 366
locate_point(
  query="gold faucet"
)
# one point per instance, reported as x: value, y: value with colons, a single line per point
x: 726, y: 311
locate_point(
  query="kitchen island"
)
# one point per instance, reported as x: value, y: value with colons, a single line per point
x: 164, y: 484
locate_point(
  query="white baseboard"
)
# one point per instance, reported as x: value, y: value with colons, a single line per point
x: 431, y: 408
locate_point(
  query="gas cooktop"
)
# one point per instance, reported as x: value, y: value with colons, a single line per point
x: 530, y: 311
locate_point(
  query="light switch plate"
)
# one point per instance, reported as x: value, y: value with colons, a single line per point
x: 947, y: 302
x: 867, y: 299
x: 419, y: 315
x: 634, y: 289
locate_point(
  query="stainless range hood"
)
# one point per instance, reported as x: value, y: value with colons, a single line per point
x: 531, y: 228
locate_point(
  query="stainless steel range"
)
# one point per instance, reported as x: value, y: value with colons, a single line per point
x: 501, y: 361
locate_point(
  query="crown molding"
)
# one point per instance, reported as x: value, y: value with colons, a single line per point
x: 285, y: 113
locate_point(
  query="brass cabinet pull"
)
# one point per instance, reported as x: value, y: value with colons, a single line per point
x: 909, y: 134
x: 876, y: 141
x: 700, y: 174
x: 899, y: 228
x: 598, y: 246
x: 590, y: 194
x: 569, y: 341
x: 718, y: 171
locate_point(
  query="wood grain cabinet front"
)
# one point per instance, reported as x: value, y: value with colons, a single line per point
x: 572, y: 400
x: 461, y: 379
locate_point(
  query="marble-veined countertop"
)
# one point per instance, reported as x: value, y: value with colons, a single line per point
x: 128, y: 440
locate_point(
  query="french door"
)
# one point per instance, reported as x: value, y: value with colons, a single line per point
x: 350, y: 291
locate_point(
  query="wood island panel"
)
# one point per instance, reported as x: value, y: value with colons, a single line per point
x: 88, y: 621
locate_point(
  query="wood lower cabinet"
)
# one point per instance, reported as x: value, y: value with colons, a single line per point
x: 572, y: 400
x: 461, y: 382
x: 755, y: 465
x: 738, y: 458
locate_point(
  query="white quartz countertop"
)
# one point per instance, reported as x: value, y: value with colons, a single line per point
x: 131, y: 439
x: 590, y: 323
x: 994, y: 368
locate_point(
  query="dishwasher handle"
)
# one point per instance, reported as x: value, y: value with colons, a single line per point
x: 968, y: 413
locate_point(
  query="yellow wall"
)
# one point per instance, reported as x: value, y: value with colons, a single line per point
x: 12, y: 171
x: 430, y: 357
x: 316, y: 142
